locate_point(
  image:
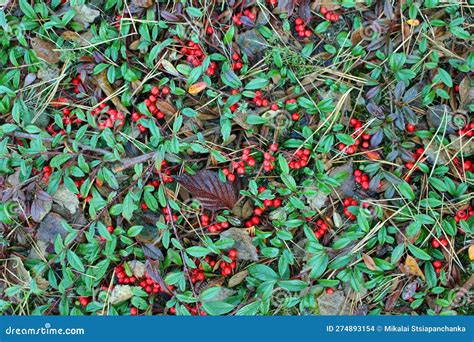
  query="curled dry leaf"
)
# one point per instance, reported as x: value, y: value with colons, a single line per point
x: 471, y: 252
x: 120, y: 294
x: 45, y: 50
x: 212, y: 193
x: 369, y: 262
x: 103, y: 83
x: 165, y: 107
x: 411, y: 267
x: 196, y: 88
x: 137, y: 268
x: 237, y: 278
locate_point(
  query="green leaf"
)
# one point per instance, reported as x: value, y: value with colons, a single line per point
x: 418, y: 252
x: 75, y: 261
x: 231, y: 79
x: 217, y: 308
x: 263, y: 272
x: 198, y: 251
x: 406, y: 190
x: 256, y: 83
x: 134, y: 231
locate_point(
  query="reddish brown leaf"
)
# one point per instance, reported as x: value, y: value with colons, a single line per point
x: 206, y: 186
x: 196, y: 88
x: 369, y: 262
x: 165, y: 107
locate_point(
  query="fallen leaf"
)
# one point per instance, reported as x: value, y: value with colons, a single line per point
x: 196, y: 88
x: 332, y: 304
x: 45, y: 50
x: 16, y: 271
x: 85, y: 15
x: 347, y: 186
x: 152, y: 252
x: 242, y: 243
x: 409, y: 290
x: 471, y: 252
x: 206, y: 187
x: 67, y: 199
x: 103, y: 83
x: 120, y: 294
x: 137, y: 268
x: 237, y: 278
x: 50, y: 227
x: 369, y: 262
x: 165, y: 107
x: 142, y: 3
x: 411, y: 267
x: 317, y: 200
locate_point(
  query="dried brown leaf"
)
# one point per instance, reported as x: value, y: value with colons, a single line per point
x: 165, y: 107
x: 206, y: 187
x: 369, y: 262
x: 45, y: 50
x: 103, y: 83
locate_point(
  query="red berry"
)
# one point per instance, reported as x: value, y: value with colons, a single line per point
x: 410, y: 128
x: 133, y: 311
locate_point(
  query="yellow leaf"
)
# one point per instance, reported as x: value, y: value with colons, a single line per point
x: 411, y: 267
x: 413, y: 22
x: 197, y: 88
x: 471, y: 252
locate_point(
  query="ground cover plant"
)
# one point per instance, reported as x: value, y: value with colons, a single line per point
x: 275, y: 157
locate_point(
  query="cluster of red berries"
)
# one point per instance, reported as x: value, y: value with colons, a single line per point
x: 250, y: 14
x: 462, y: 215
x: 54, y: 129
x: 299, y: 159
x: 150, y: 101
x: 68, y: 119
x: 349, y: 201
x: 195, y: 55
x: 259, y: 100
x: 192, y: 308
x: 114, y: 116
x: 197, y: 274
x: 227, y: 267
x: 84, y: 300
x: 258, y: 211
x: 301, y: 29
x: 237, y: 63
x: 122, y: 276
x: 110, y: 229
x: 437, y: 264
x: 213, y: 228
x: 357, y: 125
x: 149, y: 285
x: 165, y: 173
x: 321, y: 228
x: 362, y: 179
x: 467, y: 130
x: 329, y: 15
x: 417, y: 155
x: 437, y: 243
x: 269, y: 158
x: 76, y: 81
x: 47, y: 171
x: 245, y: 159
